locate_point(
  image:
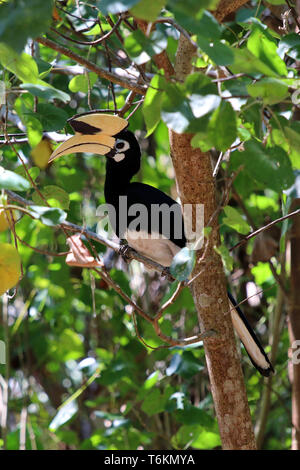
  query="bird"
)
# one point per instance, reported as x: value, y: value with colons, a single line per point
x: 109, y: 136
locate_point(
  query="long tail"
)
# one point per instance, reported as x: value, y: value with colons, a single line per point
x: 252, y: 345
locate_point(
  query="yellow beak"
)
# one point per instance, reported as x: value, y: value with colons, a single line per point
x: 94, y: 133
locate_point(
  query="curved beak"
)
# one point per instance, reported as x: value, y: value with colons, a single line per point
x: 99, y: 144
x: 94, y: 133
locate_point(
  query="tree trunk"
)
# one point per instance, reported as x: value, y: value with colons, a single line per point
x: 195, y: 185
x: 294, y: 326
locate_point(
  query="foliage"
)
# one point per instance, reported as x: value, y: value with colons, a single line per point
x: 76, y: 365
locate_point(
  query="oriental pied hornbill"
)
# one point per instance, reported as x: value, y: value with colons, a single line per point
x: 107, y: 135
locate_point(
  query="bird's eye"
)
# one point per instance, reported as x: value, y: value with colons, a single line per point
x: 121, y: 145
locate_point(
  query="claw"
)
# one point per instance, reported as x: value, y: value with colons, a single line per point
x: 123, y: 250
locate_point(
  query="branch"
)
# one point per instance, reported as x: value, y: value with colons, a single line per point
x: 130, y: 252
x: 97, y: 41
x: 177, y: 26
x: 161, y: 60
x: 226, y: 7
x: 195, y: 184
x: 154, y: 321
x: 112, y: 77
x: 265, y: 227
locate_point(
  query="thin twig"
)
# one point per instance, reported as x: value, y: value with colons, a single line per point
x: 112, y: 77
x: 265, y: 227
x: 130, y: 253
x: 183, y: 31
x: 91, y: 43
x: 294, y: 13
x: 128, y: 103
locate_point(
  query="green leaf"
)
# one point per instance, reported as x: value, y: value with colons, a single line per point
x: 193, y: 415
x: 54, y: 195
x: 148, y: 384
x: 33, y: 171
x: 34, y: 128
x: 12, y: 181
x: 222, y: 126
x: 290, y: 45
x: 198, y: 82
x: 115, y: 6
x: 206, y: 440
x: 293, y: 138
x: 234, y: 220
x: 223, y: 251
x: 153, y: 403
x: 81, y: 82
x: 269, y: 166
x: 47, y: 92
x: 190, y: 6
x: 152, y: 103
x: 148, y: 10
x: 218, y: 52
x: 246, y: 62
x: 262, y: 273
x: 265, y: 49
x: 51, y: 216
x: 176, y: 111
x: 208, y: 26
x: 50, y: 117
x: 189, y: 21
x: 202, y: 435
x: 151, y: 380
x: 65, y: 413
x: 186, y: 435
x: 183, y: 264
x: 185, y: 365
x: 221, y: 130
x: 271, y: 90
x: 44, y: 67
x: 69, y: 346
x: 141, y: 48
x: 23, y: 65
x: 115, y: 371
x: 22, y: 20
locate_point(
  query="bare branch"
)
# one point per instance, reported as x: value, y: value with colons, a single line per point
x: 265, y: 227
x: 130, y: 252
x: 112, y: 77
x: 97, y: 41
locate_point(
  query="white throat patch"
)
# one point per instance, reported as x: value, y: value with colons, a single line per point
x: 119, y: 157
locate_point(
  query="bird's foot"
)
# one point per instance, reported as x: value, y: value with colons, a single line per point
x: 166, y: 273
x: 123, y: 250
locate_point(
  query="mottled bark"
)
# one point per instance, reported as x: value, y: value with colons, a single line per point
x: 196, y: 186
x: 294, y: 326
x: 226, y: 7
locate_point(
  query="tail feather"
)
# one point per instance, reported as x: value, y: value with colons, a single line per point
x: 252, y: 345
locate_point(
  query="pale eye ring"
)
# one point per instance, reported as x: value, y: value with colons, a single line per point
x: 121, y: 145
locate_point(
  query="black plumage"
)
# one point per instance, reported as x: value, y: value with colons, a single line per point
x: 109, y: 136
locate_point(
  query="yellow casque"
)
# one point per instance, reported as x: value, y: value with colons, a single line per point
x: 94, y: 133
